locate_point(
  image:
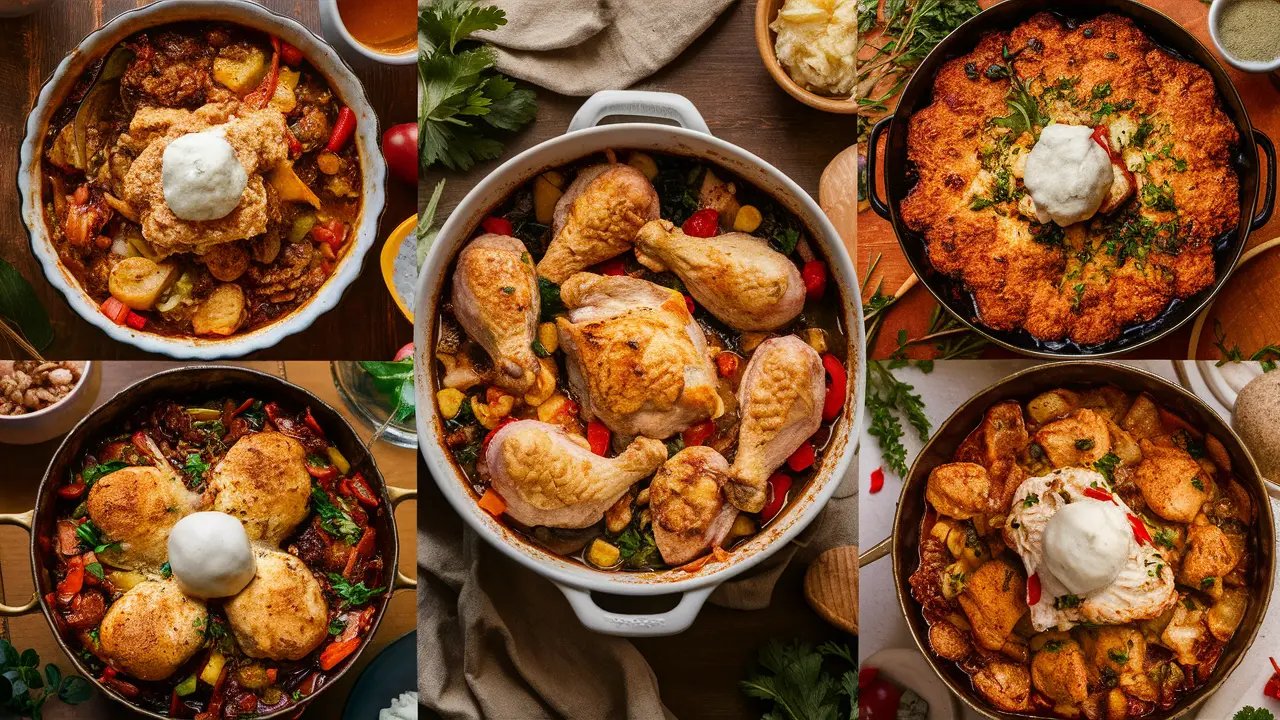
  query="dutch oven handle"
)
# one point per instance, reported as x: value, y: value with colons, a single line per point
x: 638, y: 103
x: 399, y: 495
x: 23, y: 521
x: 676, y: 620
x: 876, y: 203
x: 1269, y: 197
x: 880, y: 550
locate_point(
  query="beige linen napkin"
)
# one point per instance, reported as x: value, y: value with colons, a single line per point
x: 578, y: 47
x: 498, y: 641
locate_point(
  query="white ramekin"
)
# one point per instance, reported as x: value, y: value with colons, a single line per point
x: 367, y: 139
x: 335, y: 31
x: 56, y: 419
x: 1249, y: 66
x: 584, y: 138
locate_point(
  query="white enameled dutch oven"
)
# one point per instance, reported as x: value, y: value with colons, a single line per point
x: 584, y: 138
x: 242, y: 12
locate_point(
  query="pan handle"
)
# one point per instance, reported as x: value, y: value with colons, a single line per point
x: 399, y: 495
x: 22, y: 520
x: 876, y: 203
x: 1269, y: 198
x: 881, y: 549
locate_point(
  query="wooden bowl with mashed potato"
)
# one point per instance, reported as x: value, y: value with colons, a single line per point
x: 980, y: 430
x: 790, y: 49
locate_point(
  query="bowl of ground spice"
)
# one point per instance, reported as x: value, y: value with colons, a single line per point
x: 1246, y: 33
x: 40, y: 400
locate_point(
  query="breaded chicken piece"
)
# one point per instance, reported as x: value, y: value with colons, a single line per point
x: 1078, y: 440
x: 949, y: 641
x: 994, y: 599
x: 1005, y: 685
x: 1185, y: 634
x: 958, y: 490
x: 1058, y: 672
x: 263, y: 481
x: 1004, y: 435
x: 281, y: 614
x: 1209, y: 558
x: 597, y: 218
x: 1120, y: 652
x: 153, y: 629
x: 1172, y: 482
x: 137, y: 507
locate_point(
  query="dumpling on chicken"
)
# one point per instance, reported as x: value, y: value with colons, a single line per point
x: 689, y: 510
x: 1172, y: 483
x: 636, y: 358
x: 263, y: 482
x: 137, y: 507
x: 597, y: 218
x: 153, y: 629
x: 281, y: 614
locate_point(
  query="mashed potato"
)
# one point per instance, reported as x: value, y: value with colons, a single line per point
x: 817, y: 42
x: 403, y: 707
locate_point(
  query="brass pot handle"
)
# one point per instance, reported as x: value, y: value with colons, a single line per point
x: 877, y: 551
x: 399, y: 495
x: 24, y: 521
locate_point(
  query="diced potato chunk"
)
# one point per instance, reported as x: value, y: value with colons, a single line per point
x: 450, y: 402
x: 240, y: 68
x: 124, y: 580
x: 137, y: 281
x: 284, y: 98
x: 644, y: 163
x: 1226, y: 614
x: 544, y: 383
x: 222, y: 313
x: 602, y: 554
x: 549, y: 337
x: 1051, y: 405
x: 546, y: 193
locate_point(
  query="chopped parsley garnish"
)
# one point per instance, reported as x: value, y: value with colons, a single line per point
x: 538, y: 349
x: 357, y: 594
x: 1102, y: 90
x: 165, y: 570
x: 333, y: 518
x: 1164, y: 537
x: 1106, y: 465
x: 91, y: 475
x: 91, y: 537
x: 1159, y: 197
x: 95, y: 569
x: 1118, y: 657
x: 507, y: 290
x: 1030, y: 500
x: 1197, y: 483
x: 195, y: 468
x: 336, y: 626
x: 1054, y: 645
x: 1084, y: 444
x: 1206, y: 583
x: 1066, y: 602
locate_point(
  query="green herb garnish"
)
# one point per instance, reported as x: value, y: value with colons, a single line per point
x: 357, y: 594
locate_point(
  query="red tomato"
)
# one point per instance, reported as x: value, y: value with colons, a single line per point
x: 836, y: 389
x: 878, y: 699
x: 598, y: 437
x: 698, y: 434
x: 404, y: 352
x: 703, y: 223
x: 802, y: 458
x: 400, y: 148
x: 815, y: 279
x: 497, y: 226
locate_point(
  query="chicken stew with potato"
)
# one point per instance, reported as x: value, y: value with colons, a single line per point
x: 200, y: 180
x: 177, y: 539
x: 1086, y: 553
x: 628, y: 352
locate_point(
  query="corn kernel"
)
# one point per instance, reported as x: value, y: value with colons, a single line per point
x: 602, y: 554
x: 747, y: 219
x: 543, y: 385
x: 450, y: 402
x: 549, y: 337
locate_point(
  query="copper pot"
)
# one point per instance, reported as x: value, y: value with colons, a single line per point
x: 904, y: 543
x: 200, y: 380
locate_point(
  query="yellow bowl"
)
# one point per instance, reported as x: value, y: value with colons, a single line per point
x: 393, y: 255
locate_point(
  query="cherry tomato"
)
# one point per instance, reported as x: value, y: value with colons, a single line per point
x: 400, y: 148
x: 598, y: 436
x: 815, y: 279
x: 878, y: 699
x: 779, y: 485
x: 497, y: 226
x: 704, y: 223
x: 836, y: 389
x: 403, y: 353
x: 802, y: 458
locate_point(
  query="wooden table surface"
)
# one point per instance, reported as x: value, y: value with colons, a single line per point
x: 722, y: 74
x: 25, y: 466
x: 31, y: 47
x: 1238, y: 304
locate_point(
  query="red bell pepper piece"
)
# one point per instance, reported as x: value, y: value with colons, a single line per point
x: 802, y: 458
x: 484, y: 446
x: 698, y: 434
x: 115, y: 310
x: 779, y: 485
x: 877, y: 480
x: 290, y: 55
x: 217, y: 698
x: 598, y: 437
x: 323, y: 473
x: 295, y: 147
x: 175, y: 705
x: 688, y: 303
x: 1272, y: 690
x: 262, y: 95
x: 73, y: 582
x: 361, y: 491
x: 123, y: 687
x: 310, y: 420
x: 1139, y: 530
x: 363, y: 549
x: 726, y: 364
x: 343, y: 128
x: 135, y: 320
x: 836, y: 389
x: 336, y: 653
x: 1033, y: 589
x: 243, y: 406
x: 72, y: 491
x: 1099, y: 494
x: 815, y: 279
x: 332, y: 233
x: 497, y: 226
x: 703, y: 224
x: 357, y: 622
x: 614, y: 267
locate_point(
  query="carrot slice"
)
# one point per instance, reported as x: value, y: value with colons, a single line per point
x: 492, y: 503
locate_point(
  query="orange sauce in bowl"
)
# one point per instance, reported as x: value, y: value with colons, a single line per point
x: 384, y: 26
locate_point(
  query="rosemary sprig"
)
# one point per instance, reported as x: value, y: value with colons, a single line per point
x: 1265, y: 356
x: 887, y: 399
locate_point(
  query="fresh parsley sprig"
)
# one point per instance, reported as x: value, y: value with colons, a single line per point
x: 887, y: 398
x: 357, y: 594
x: 797, y: 679
x: 333, y: 519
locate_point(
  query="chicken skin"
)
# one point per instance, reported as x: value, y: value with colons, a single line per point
x: 690, y: 514
x: 1171, y: 481
x: 263, y: 482
x: 636, y: 358
x: 780, y: 405
x: 137, y: 507
x: 551, y: 478
x: 495, y: 298
x: 737, y: 277
x: 959, y: 490
x: 153, y: 629
x: 281, y: 614
x: 1077, y: 440
x: 597, y: 218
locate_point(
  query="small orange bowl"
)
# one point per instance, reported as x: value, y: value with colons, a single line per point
x: 766, y: 12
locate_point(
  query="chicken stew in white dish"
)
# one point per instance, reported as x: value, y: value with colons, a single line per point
x: 639, y: 361
x: 1087, y: 553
